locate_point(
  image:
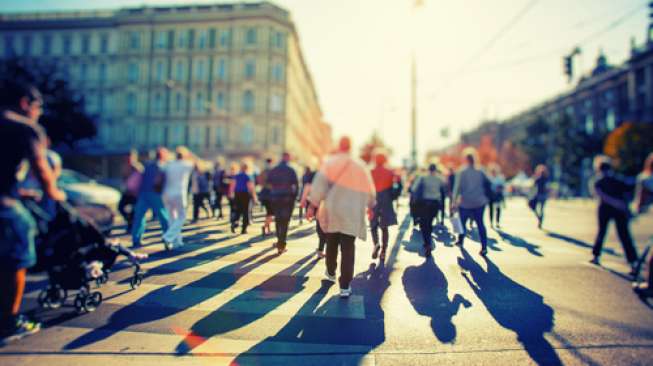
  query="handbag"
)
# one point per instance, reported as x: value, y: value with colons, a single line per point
x: 457, y: 224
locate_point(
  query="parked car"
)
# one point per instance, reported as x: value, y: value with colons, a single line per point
x: 94, y: 201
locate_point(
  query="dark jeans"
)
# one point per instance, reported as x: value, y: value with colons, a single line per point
x: 475, y: 214
x: 607, y: 213
x: 321, y: 235
x: 282, y: 209
x: 347, y: 250
x: 538, y: 209
x: 200, y: 200
x: 241, y: 209
x: 127, y: 207
x: 495, y: 211
x: 217, y: 203
x: 429, y: 209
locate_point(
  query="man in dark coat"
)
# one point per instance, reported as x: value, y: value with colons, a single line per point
x: 283, y: 183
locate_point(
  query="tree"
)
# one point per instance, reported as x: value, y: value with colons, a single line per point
x: 629, y: 145
x: 64, y: 118
x: 370, y: 147
x: 536, y: 141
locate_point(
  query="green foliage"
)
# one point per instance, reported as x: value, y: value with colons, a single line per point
x: 64, y: 118
x: 535, y: 143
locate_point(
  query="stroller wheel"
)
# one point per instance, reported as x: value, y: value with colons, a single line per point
x: 89, y: 304
x: 56, y: 296
x: 80, y: 302
x: 96, y: 298
x: 136, y: 280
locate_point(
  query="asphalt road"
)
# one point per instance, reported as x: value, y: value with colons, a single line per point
x: 227, y: 299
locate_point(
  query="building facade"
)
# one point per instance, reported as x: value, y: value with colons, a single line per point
x: 223, y: 79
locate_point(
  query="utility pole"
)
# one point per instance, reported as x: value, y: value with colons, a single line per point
x: 413, y: 119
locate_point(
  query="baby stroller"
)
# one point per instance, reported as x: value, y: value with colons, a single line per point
x: 74, y: 253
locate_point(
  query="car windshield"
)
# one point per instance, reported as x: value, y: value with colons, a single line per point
x: 72, y: 177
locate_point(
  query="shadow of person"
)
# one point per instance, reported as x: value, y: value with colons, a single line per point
x: 170, y: 301
x: 579, y: 243
x: 520, y: 243
x: 415, y: 244
x: 443, y: 235
x: 514, y: 307
x: 427, y: 289
x: 327, y: 325
x: 261, y: 300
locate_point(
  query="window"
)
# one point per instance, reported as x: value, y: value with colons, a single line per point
x: 191, y: 38
x: 589, y: 124
x: 277, y: 40
x: 179, y: 72
x: 202, y: 39
x: 83, y: 72
x: 179, y: 102
x: 222, y: 69
x: 103, y: 72
x: 67, y: 44
x: 65, y: 71
x: 225, y: 38
x: 159, y: 70
x: 200, y: 72
x: 247, y: 133
x: 610, y: 120
x: 276, y: 135
x: 212, y: 33
x: 131, y: 103
x: 219, y: 136
x: 220, y: 101
x: 158, y: 103
x: 248, y: 101
x: 181, y: 39
x: 276, y: 103
x: 104, y: 43
x: 47, y: 45
x: 161, y: 40
x: 196, y: 136
x: 277, y: 73
x: 27, y: 45
x: 250, y: 69
x: 199, y: 102
x: 250, y: 36
x: 133, y: 72
x: 178, y: 134
x: 134, y: 40
x: 9, y: 46
x: 86, y: 44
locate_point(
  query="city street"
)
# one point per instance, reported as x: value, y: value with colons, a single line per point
x: 229, y: 299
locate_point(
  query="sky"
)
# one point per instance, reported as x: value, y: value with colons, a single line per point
x: 475, y: 59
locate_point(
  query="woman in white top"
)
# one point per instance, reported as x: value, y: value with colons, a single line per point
x: 497, y: 183
x: 175, y: 195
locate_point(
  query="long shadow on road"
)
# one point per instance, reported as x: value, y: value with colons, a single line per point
x: 519, y: 242
x: 363, y: 334
x: 427, y: 289
x: 514, y: 307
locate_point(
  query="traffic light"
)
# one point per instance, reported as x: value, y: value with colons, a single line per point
x: 568, y: 67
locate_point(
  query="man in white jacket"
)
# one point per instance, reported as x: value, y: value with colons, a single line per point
x: 345, y: 186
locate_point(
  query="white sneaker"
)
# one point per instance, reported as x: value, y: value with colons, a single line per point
x: 345, y: 292
x: 320, y: 254
x: 329, y: 277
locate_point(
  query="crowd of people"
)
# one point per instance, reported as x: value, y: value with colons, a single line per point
x: 343, y: 196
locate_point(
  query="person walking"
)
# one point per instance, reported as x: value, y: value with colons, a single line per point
x: 284, y: 185
x: 201, y: 192
x: 469, y: 197
x: 149, y: 196
x: 429, y: 192
x: 612, y: 193
x: 307, y: 178
x: 321, y: 236
x: 345, y: 186
x: 497, y: 200
x: 241, y: 191
x: 132, y: 180
x: 21, y: 139
x: 539, y: 193
x: 383, y: 215
x: 220, y: 188
x: 644, y: 187
x: 264, y: 197
x: 175, y: 195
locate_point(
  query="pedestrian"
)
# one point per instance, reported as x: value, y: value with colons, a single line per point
x: 175, y: 195
x: 469, y: 197
x: 345, y: 186
x: 321, y: 236
x: 612, y: 193
x: 21, y: 139
x: 201, y: 192
x: 451, y: 182
x: 644, y: 187
x: 383, y: 215
x: 241, y: 191
x: 429, y: 193
x: 149, y: 196
x: 397, y: 189
x: 307, y: 178
x: 220, y: 187
x: 497, y: 200
x: 413, y: 201
x: 132, y: 175
x: 539, y: 193
x: 264, y: 197
x: 284, y: 186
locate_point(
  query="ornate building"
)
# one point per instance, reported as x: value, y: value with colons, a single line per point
x: 226, y: 79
